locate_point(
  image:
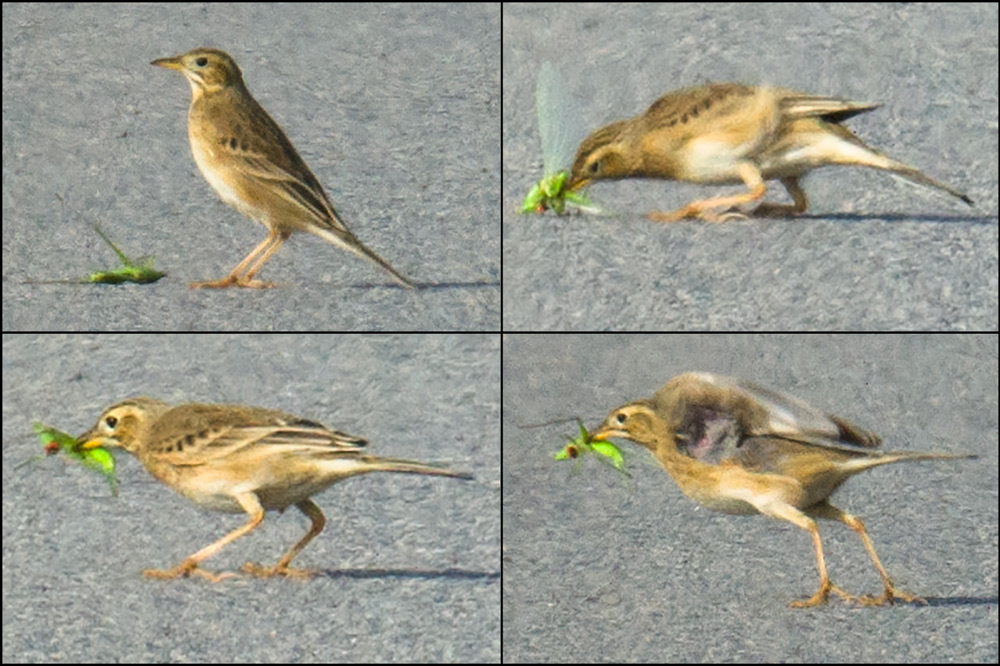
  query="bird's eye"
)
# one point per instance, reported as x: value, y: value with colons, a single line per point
x: 594, y: 166
x: 111, y: 421
x: 620, y: 416
x: 201, y: 62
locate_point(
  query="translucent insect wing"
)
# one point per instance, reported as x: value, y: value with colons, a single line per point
x: 552, y: 105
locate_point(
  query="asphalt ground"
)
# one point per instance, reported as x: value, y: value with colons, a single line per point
x: 409, y: 563
x: 870, y: 254
x: 395, y: 112
x: 599, y: 569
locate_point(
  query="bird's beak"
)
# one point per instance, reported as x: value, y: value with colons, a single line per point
x: 604, y: 433
x: 88, y: 444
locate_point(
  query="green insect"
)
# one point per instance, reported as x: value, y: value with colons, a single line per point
x: 140, y: 271
x: 96, y: 458
x: 606, y: 452
x: 549, y: 193
x: 552, y: 108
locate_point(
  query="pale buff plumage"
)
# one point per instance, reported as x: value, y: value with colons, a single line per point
x: 739, y: 448
x: 247, y: 159
x: 732, y: 133
x: 240, y: 459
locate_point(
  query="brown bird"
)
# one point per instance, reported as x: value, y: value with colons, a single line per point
x: 739, y: 448
x: 731, y: 133
x: 252, y: 165
x: 241, y: 459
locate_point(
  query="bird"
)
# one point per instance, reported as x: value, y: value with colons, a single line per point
x: 739, y: 448
x: 240, y: 459
x: 719, y: 133
x: 252, y: 165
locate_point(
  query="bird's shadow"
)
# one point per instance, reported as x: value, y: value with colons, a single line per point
x: 422, y: 574
x: 959, y: 601
x: 900, y: 217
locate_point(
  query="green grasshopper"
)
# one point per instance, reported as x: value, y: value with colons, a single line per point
x: 549, y: 193
x: 97, y: 458
x: 552, y: 109
x: 140, y: 271
x: 606, y: 452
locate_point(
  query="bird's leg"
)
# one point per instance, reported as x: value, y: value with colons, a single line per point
x: 793, y: 515
x: 801, y: 202
x: 191, y: 565
x: 703, y: 210
x: 890, y: 592
x: 313, y: 512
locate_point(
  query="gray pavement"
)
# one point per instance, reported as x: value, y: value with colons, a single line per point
x: 394, y: 111
x: 596, y: 569
x: 872, y: 254
x: 410, y: 562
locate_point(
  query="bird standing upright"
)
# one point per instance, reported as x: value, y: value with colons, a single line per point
x: 247, y: 159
